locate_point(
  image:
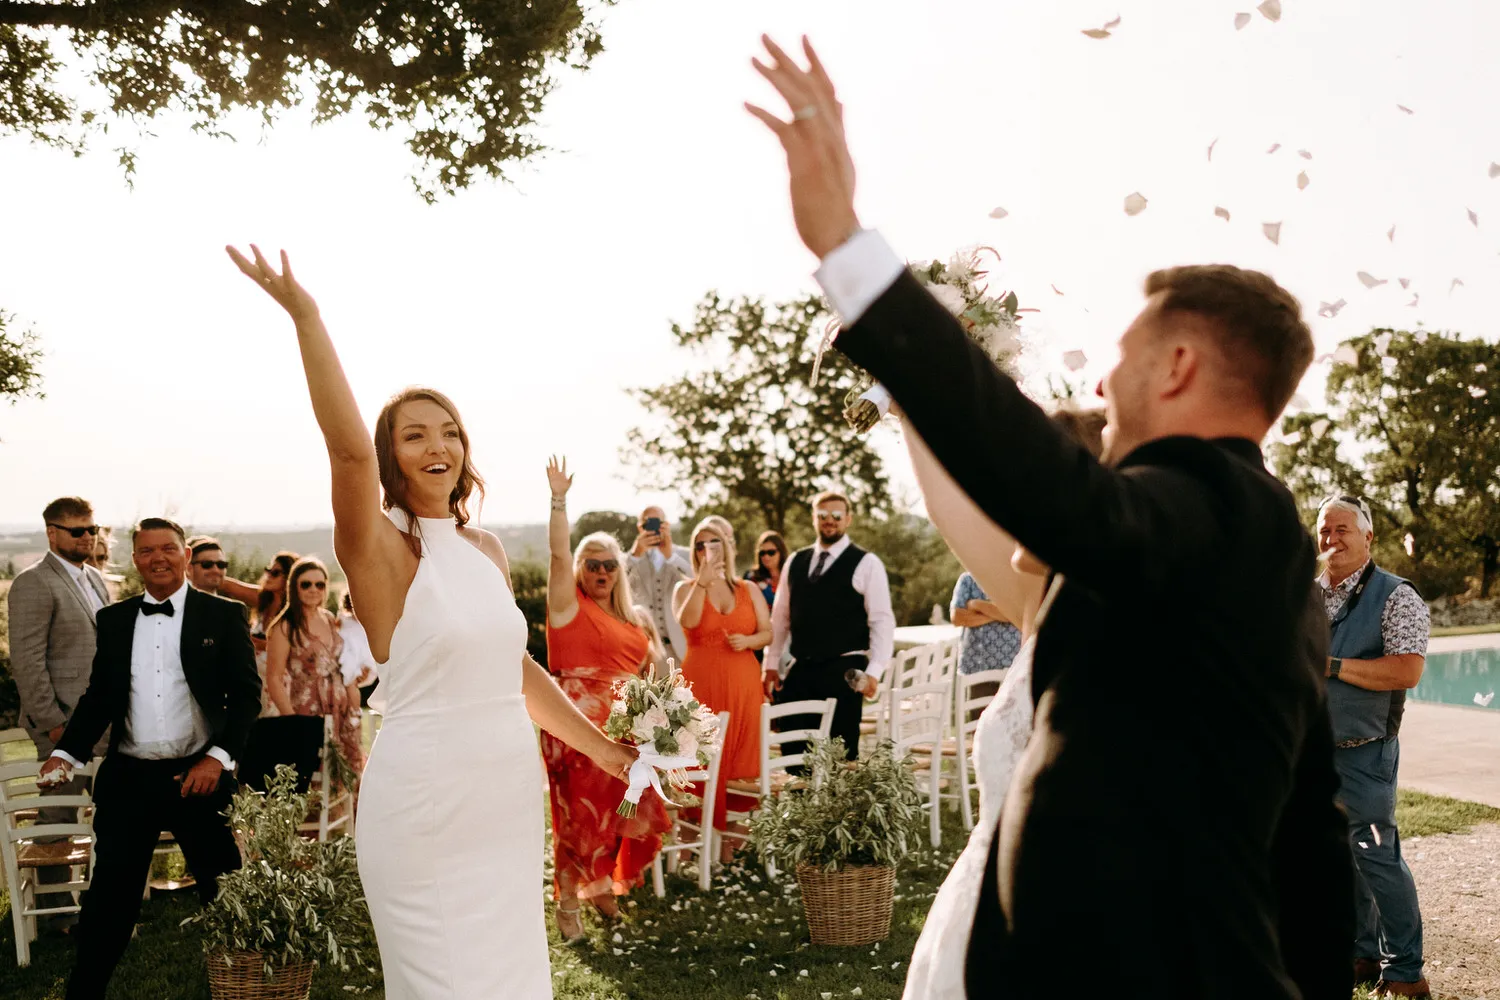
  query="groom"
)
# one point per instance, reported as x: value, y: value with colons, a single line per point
x: 1171, y: 829
x: 174, y: 678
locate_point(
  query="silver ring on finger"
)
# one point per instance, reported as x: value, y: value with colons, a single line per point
x: 806, y: 113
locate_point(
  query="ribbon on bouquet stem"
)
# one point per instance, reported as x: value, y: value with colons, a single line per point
x: 643, y: 775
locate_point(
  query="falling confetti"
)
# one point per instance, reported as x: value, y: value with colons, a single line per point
x: 1304, y: 154
x: 1272, y: 231
x: 1405, y: 282
x: 1346, y: 355
x: 1483, y: 700
x: 1319, y: 428
x: 1211, y: 150
x: 1369, y: 280
x: 1096, y: 32
x: 1075, y: 360
x: 998, y: 213
x: 1457, y: 283
x: 1406, y: 109
x: 1420, y: 336
x: 1494, y: 170
x: 1375, y: 833
x: 1330, y: 309
x: 1271, y: 9
x: 1415, y: 297
x: 1135, y: 203
x: 1112, y: 25
x: 1298, y: 401
x: 1383, y: 343
x: 1059, y: 291
x: 1473, y: 218
x: 1302, y: 180
x: 1362, y: 844
x: 1222, y: 212
x: 1410, y: 544
x: 1391, y: 234
x: 1240, y: 20
x: 1293, y: 438
x: 1274, y: 147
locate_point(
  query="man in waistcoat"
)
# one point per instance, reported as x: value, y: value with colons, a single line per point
x: 1376, y: 654
x: 834, y: 608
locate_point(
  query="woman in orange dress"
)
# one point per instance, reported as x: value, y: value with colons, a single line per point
x: 725, y: 621
x: 595, y: 637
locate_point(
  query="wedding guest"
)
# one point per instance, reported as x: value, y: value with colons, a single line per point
x: 833, y: 610
x: 99, y: 559
x: 356, y: 660
x: 1380, y: 626
x: 1184, y: 543
x: 52, y: 605
x: 306, y: 682
x: 596, y: 636
x: 267, y: 599
x: 724, y: 621
x: 990, y: 640
x: 770, y: 559
x: 654, y: 568
x: 207, y: 567
x: 177, y: 713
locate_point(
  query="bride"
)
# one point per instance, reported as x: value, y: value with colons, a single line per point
x: 450, y: 818
x: 1014, y: 580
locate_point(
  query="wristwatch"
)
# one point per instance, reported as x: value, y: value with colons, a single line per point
x: 1335, y: 664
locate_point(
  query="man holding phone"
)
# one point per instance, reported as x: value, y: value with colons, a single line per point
x: 654, y: 566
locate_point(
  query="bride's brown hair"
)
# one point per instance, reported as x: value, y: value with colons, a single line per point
x: 393, y: 482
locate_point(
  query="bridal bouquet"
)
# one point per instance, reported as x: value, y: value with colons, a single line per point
x: 990, y: 321
x: 671, y: 729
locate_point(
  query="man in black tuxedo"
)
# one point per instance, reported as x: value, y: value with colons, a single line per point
x: 174, y: 676
x: 1171, y: 829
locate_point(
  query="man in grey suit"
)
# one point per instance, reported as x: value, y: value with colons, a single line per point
x: 654, y: 566
x: 52, y: 606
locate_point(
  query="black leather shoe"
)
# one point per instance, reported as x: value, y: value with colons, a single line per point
x: 1366, y: 971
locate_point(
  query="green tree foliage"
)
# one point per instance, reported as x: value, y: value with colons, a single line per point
x: 20, y: 357
x: 1413, y: 425
x: 611, y: 522
x: 463, y: 80
x: 530, y: 582
x: 745, y: 430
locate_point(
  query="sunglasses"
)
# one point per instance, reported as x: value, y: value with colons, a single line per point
x: 273, y: 571
x: 308, y: 584
x: 830, y: 515
x: 595, y: 565
x: 92, y: 529
x: 768, y: 552
x: 211, y: 564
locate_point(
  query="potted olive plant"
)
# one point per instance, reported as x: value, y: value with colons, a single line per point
x: 295, y: 903
x: 843, y: 833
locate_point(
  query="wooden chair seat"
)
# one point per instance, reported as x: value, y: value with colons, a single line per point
x: 29, y: 855
x: 950, y: 748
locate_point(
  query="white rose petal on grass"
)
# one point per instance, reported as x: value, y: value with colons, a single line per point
x: 1221, y: 212
x: 1074, y: 360
x: 1272, y: 231
x: 998, y: 213
x: 1369, y: 280
x: 1271, y: 10
x: 1330, y: 309
x: 1135, y: 203
x: 1240, y: 20
x: 1346, y: 355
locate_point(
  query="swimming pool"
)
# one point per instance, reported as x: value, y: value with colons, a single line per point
x: 1461, y: 677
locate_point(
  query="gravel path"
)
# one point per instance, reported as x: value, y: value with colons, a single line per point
x: 1458, y: 886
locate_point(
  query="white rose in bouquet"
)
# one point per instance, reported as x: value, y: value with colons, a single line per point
x: 646, y: 726
x: 687, y: 742
x: 682, y: 695
x: 952, y: 298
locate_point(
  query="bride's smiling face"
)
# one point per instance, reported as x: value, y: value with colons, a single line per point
x: 429, y: 450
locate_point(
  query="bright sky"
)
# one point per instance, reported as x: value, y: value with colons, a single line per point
x: 172, y: 383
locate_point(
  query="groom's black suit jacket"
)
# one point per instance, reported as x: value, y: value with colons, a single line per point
x: 1171, y: 829
x: 218, y: 661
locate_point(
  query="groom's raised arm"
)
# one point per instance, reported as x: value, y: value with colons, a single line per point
x: 1101, y: 527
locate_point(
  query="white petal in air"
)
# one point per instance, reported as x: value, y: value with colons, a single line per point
x: 1346, y: 355
x: 1391, y: 234
x: 1074, y: 360
x: 1473, y: 218
x: 1406, y: 109
x: 1456, y: 283
x: 1222, y: 212
x: 1369, y: 280
x: 998, y: 213
x: 1330, y: 309
x: 1272, y: 231
x: 1096, y: 32
x: 1135, y: 203
x: 1405, y: 282
x: 1483, y: 700
x: 1415, y: 297
x: 1298, y: 401
x: 1059, y: 291
x: 1494, y: 170
x: 1240, y: 20
x: 1319, y: 428
x: 1211, y: 150
x: 1304, y: 154
x: 1271, y: 9
x: 1274, y: 147
x: 1302, y: 180
x: 1111, y: 25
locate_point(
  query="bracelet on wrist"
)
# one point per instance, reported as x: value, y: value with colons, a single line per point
x: 559, y: 503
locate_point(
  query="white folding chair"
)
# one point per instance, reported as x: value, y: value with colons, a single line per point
x: 335, y: 811
x: 921, y: 714
x: 904, y: 671
x: 967, y: 707
x: 704, y: 828
x: 773, y: 770
x: 22, y: 855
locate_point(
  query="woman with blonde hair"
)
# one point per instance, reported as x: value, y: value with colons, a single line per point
x: 596, y: 636
x: 725, y: 621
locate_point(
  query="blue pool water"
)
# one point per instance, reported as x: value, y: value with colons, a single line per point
x: 1461, y: 677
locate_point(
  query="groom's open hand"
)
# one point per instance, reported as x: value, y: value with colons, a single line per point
x: 817, y: 157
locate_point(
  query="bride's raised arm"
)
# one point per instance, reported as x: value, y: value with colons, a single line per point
x: 368, y: 546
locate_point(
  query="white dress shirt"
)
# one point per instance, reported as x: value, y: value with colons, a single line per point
x: 857, y: 273
x: 869, y: 581
x: 80, y: 579
x: 163, y: 720
x: 356, y: 654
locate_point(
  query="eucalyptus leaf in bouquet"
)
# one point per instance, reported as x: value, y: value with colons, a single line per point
x: 672, y: 730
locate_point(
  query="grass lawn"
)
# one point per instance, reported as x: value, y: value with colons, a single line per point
x: 745, y: 940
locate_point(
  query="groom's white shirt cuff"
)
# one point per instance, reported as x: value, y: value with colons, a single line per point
x: 216, y: 753
x: 857, y: 273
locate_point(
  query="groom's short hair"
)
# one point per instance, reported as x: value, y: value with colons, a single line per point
x: 1256, y: 325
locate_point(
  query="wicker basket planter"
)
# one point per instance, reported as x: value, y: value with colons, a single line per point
x: 851, y: 906
x: 244, y: 978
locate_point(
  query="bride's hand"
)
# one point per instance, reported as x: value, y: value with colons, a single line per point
x: 557, y: 476
x: 616, y: 759
x: 282, y: 287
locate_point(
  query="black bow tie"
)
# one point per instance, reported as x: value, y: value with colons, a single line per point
x: 164, y: 608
